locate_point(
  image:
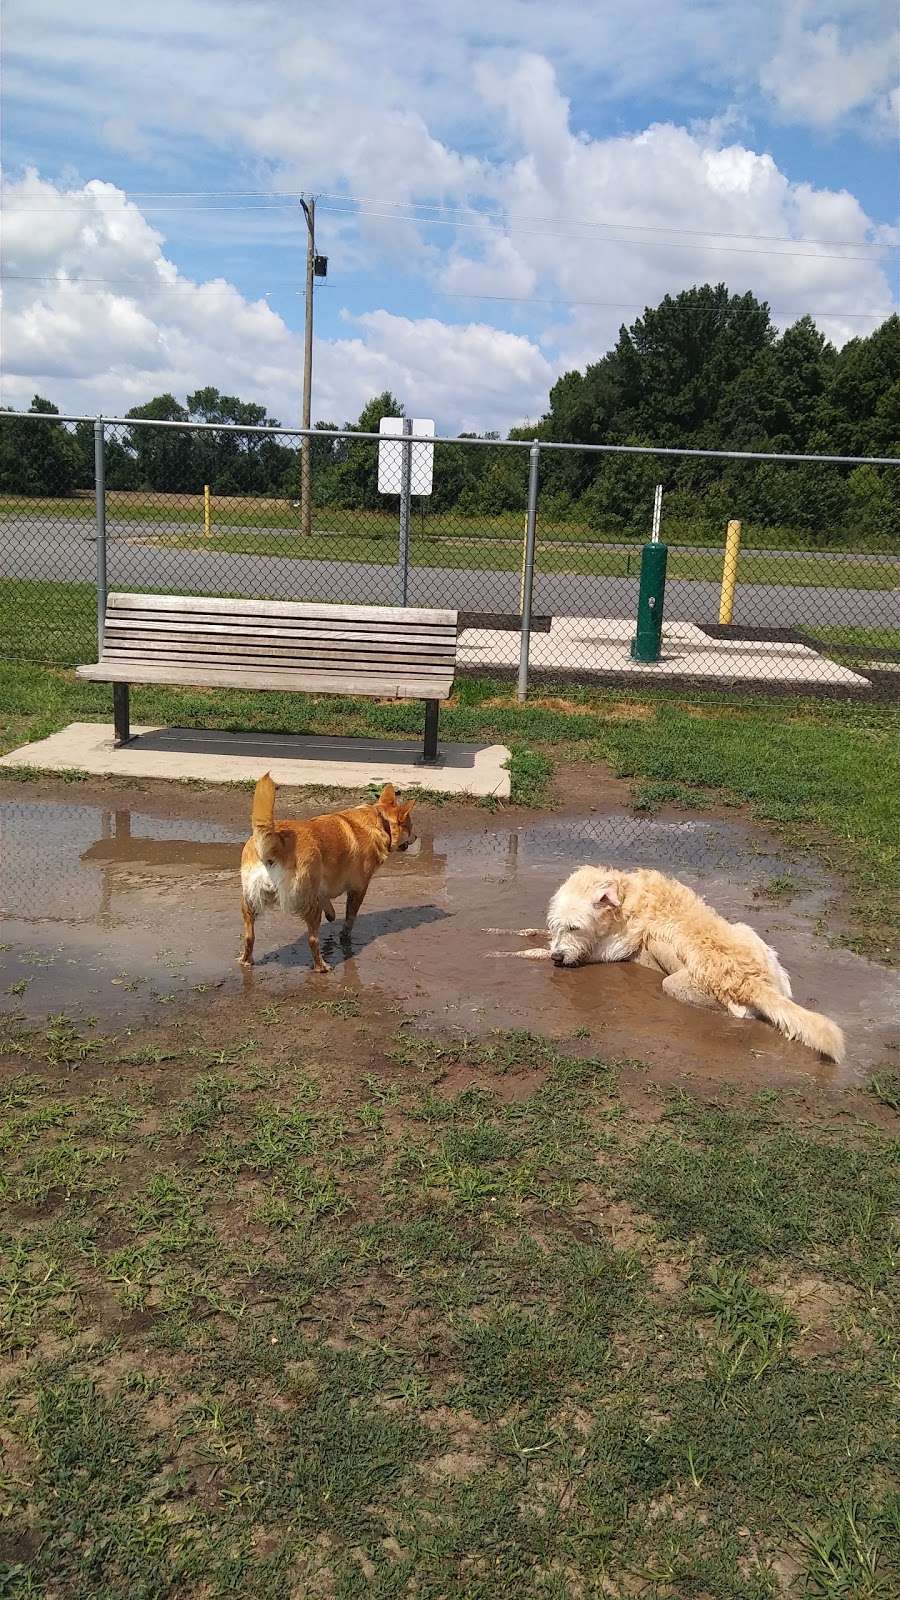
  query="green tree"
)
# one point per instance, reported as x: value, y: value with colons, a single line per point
x: 163, y: 456
x: 355, y: 474
x: 39, y: 458
x: 851, y: 420
x: 774, y: 403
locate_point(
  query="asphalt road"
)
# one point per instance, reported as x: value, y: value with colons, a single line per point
x: 34, y: 551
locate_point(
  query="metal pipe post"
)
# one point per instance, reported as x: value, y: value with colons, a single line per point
x: 647, y: 642
x: 207, y: 512
x: 309, y: 211
x: 534, y: 456
x: 729, y: 572
x: 405, y: 496
x: 100, y: 515
x: 657, y: 514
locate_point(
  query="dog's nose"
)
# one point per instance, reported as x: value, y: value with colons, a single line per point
x: 557, y: 959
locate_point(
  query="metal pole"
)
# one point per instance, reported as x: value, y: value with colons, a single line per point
x: 207, y: 512
x: 729, y: 572
x: 647, y: 642
x: 405, y: 492
x: 309, y: 211
x: 534, y: 456
x: 440, y: 438
x: 100, y: 514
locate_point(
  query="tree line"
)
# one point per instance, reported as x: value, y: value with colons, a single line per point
x: 705, y: 368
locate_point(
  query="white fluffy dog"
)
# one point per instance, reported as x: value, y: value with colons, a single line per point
x: 600, y: 914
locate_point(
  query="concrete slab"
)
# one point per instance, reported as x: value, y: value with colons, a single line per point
x: 295, y: 759
x: 602, y: 645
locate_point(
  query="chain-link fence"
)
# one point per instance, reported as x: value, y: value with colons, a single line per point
x: 781, y: 573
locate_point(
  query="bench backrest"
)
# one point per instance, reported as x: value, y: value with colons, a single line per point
x: 283, y: 637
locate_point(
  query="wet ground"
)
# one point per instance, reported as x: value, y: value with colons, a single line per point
x: 117, y: 905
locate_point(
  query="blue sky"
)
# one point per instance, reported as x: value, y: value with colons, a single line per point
x: 499, y: 188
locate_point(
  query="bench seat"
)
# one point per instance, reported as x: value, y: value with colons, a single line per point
x: 384, y: 652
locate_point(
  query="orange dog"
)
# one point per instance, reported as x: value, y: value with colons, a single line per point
x: 302, y: 866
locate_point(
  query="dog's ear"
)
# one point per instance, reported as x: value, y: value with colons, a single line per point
x: 387, y: 797
x: 608, y: 895
x: 407, y: 806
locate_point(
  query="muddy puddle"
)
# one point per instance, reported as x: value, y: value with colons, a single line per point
x: 118, y: 912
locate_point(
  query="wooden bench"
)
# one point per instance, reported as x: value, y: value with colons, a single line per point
x: 398, y: 653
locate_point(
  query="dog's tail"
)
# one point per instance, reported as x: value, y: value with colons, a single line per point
x: 810, y: 1027
x: 262, y: 815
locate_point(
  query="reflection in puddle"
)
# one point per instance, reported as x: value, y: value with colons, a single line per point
x: 114, y: 911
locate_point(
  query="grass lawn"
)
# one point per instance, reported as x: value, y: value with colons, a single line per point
x: 298, y: 1302
x: 855, y: 646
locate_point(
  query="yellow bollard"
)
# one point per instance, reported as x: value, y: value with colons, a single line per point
x: 207, y: 520
x: 730, y: 571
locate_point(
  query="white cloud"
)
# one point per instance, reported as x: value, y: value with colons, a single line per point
x: 148, y: 329
x: 886, y: 120
x: 382, y: 95
x: 820, y: 73
x: 481, y: 377
x: 629, y: 219
x: 124, y: 137
x: 460, y: 106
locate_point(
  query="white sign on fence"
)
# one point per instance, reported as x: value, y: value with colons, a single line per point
x: 390, y: 457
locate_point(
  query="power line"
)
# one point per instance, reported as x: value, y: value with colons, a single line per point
x: 598, y: 222
x: 583, y: 230
x: 631, y: 305
x: 653, y: 244
x: 284, y: 197
x: 53, y: 281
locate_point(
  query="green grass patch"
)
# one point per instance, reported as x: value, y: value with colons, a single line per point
x: 532, y: 1343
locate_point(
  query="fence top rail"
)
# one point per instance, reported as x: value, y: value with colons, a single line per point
x: 415, y: 438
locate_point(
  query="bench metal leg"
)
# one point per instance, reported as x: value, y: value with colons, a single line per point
x: 430, y: 747
x: 120, y: 713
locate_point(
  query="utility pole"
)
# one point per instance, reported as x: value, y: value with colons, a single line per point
x: 309, y: 211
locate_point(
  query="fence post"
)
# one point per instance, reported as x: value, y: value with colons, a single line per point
x: 405, y: 490
x: 100, y: 514
x: 729, y: 572
x: 534, y: 456
x: 207, y: 512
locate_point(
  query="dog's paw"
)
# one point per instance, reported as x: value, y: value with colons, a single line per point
x: 519, y: 933
x: 518, y: 955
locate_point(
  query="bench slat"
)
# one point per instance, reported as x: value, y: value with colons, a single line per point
x: 156, y: 644
x: 174, y: 627
x: 397, y: 687
x: 313, y: 663
x: 189, y: 604
x: 160, y: 641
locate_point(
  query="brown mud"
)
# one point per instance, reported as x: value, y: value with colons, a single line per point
x: 121, y: 905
